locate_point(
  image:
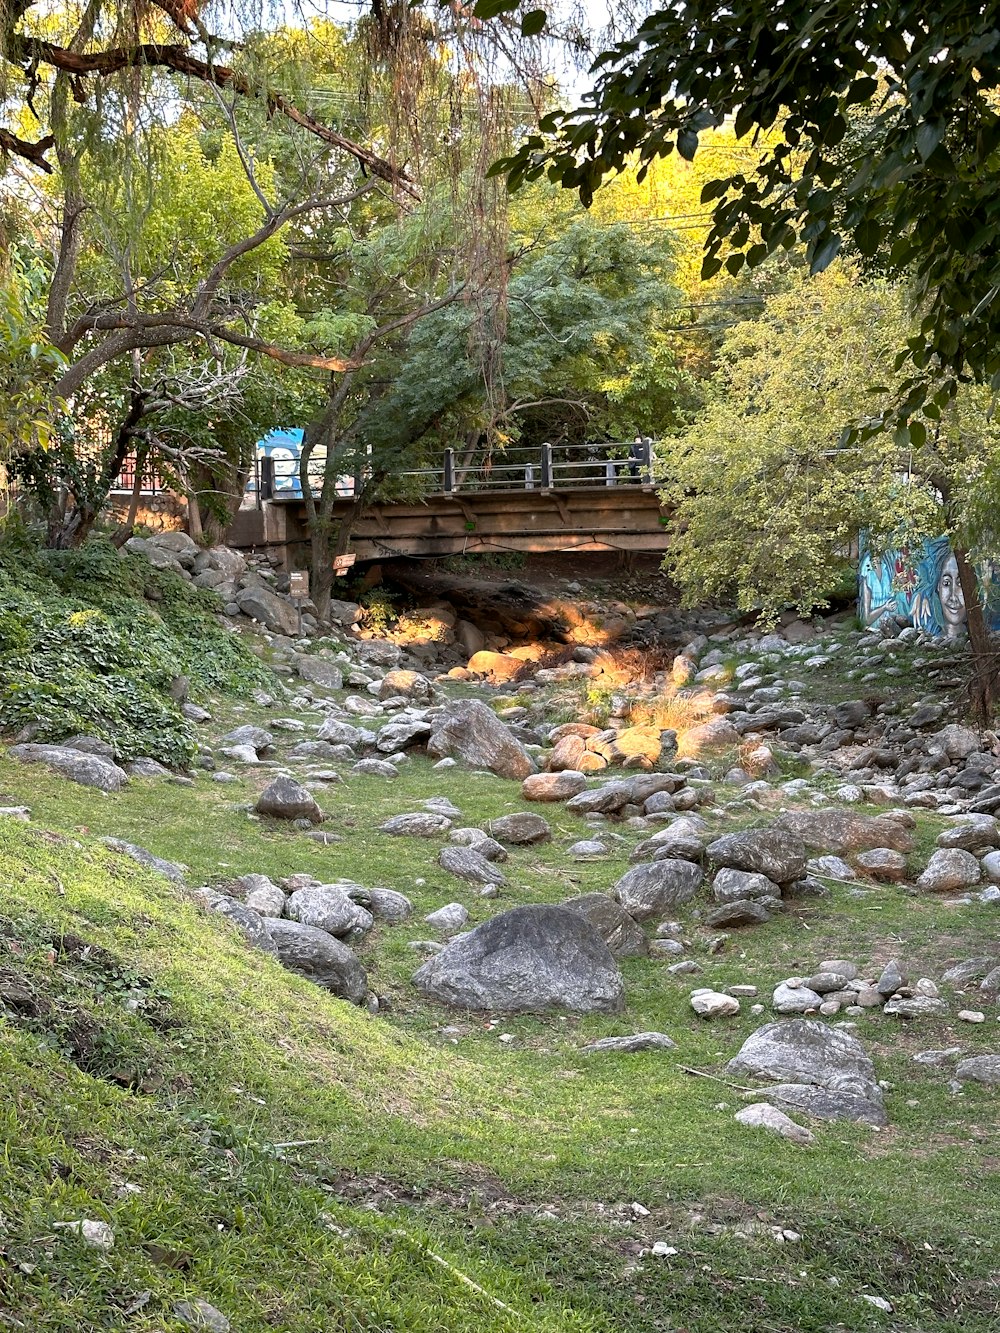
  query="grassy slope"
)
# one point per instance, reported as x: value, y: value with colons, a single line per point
x: 517, y: 1162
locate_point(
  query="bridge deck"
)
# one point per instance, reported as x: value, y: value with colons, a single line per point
x: 586, y: 518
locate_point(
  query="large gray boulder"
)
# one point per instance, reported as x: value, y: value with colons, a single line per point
x: 949, y: 869
x: 388, y: 905
x: 683, y: 840
x: 972, y: 833
x: 526, y: 960
x: 316, y: 955
x: 259, y: 740
x: 958, y: 742
x: 823, y: 1104
x: 605, y: 800
x: 396, y: 736
x: 284, y: 798
x: 730, y: 886
x: 840, y: 831
x: 520, y: 828
x: 468, y: 864
x: 980, y: 1069
x: 469, y: 731
x: 775, y: 853
x: 159, y: 556
x: 273, y: 612
x: 88, y: 769
x: 635, y: 1041
x: 319, y: 671
x: 328, y: 907
x: 339, y: 733
x: 803, y: 1050
x: 480, y: 841
x: 262, y: 894
x: 255, y: 930
x: 224, y: 559
x: 652, y: 890
x: 553, y: 786
x: 619, y: 931
x: 419, y: 824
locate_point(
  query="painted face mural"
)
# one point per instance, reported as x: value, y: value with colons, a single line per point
x: 922, y: 587
x: 952, y: 599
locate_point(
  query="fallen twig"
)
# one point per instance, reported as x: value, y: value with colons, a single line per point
x: 457, y: 1272
x: 716, y: 1078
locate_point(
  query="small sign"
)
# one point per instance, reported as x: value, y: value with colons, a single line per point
x: 298, y: 583
x: 342, y: 563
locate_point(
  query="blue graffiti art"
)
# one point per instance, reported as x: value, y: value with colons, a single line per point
x: 284, y: 448
x: 922, y: 587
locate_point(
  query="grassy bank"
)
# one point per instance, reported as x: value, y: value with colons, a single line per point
x: 153, y: 1085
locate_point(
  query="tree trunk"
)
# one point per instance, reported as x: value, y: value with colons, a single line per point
x: 193, y: 517
x: 321, y: 567
x: 983, y: 687
x: 71, y: 527
x: 330, y: 539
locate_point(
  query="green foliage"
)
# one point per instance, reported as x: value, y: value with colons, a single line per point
x: 577, y: 352
x: 81, y: 650
x: 28, y: 362
x: 883, y: 132
x: 769, y: 495
x: 766, y: 501
x: 380, y: 611
x: 174, y: 205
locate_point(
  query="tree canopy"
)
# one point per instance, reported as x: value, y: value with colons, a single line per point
x: 882, y: 138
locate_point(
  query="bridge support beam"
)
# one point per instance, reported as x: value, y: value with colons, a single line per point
x: 595, y: 518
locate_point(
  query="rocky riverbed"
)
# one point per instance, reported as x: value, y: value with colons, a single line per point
x: 737, y: 790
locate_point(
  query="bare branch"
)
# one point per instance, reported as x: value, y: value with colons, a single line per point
x: 32, y: 152
x: 275, y: 220
x: 160, y: 329
x: 33, y: 51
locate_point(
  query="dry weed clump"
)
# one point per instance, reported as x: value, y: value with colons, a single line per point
x: 673, y: 711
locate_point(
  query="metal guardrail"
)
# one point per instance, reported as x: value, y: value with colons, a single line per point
x: 549, y: 468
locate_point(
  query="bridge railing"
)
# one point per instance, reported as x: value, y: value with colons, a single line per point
x: 549, y: 468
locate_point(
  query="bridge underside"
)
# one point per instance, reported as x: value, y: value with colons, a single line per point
x: 613, y: 518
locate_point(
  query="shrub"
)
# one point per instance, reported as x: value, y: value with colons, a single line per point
x: 81, y: 649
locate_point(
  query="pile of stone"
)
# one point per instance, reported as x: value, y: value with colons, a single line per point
x: 579, y: 747
x: 751, y: 873
x: 839, y: 986
x: 252, y: 590
x: 88, y: 760
x: 652, y: 797
x: 465, y: 731
x: 308, y: 926
x: 885, y: 757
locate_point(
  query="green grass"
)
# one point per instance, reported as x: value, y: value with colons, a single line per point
x: 151, y: 1090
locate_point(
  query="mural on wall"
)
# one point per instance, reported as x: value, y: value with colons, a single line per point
x: 921, y: 586
x: 284, y: 448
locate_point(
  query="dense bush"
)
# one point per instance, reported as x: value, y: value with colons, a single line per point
x: 91, y: 640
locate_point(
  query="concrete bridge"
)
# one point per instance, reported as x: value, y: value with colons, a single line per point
x: 574, y: 498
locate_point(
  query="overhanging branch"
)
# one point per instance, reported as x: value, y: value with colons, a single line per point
x: 31, y: 152
x: 34, y: 51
